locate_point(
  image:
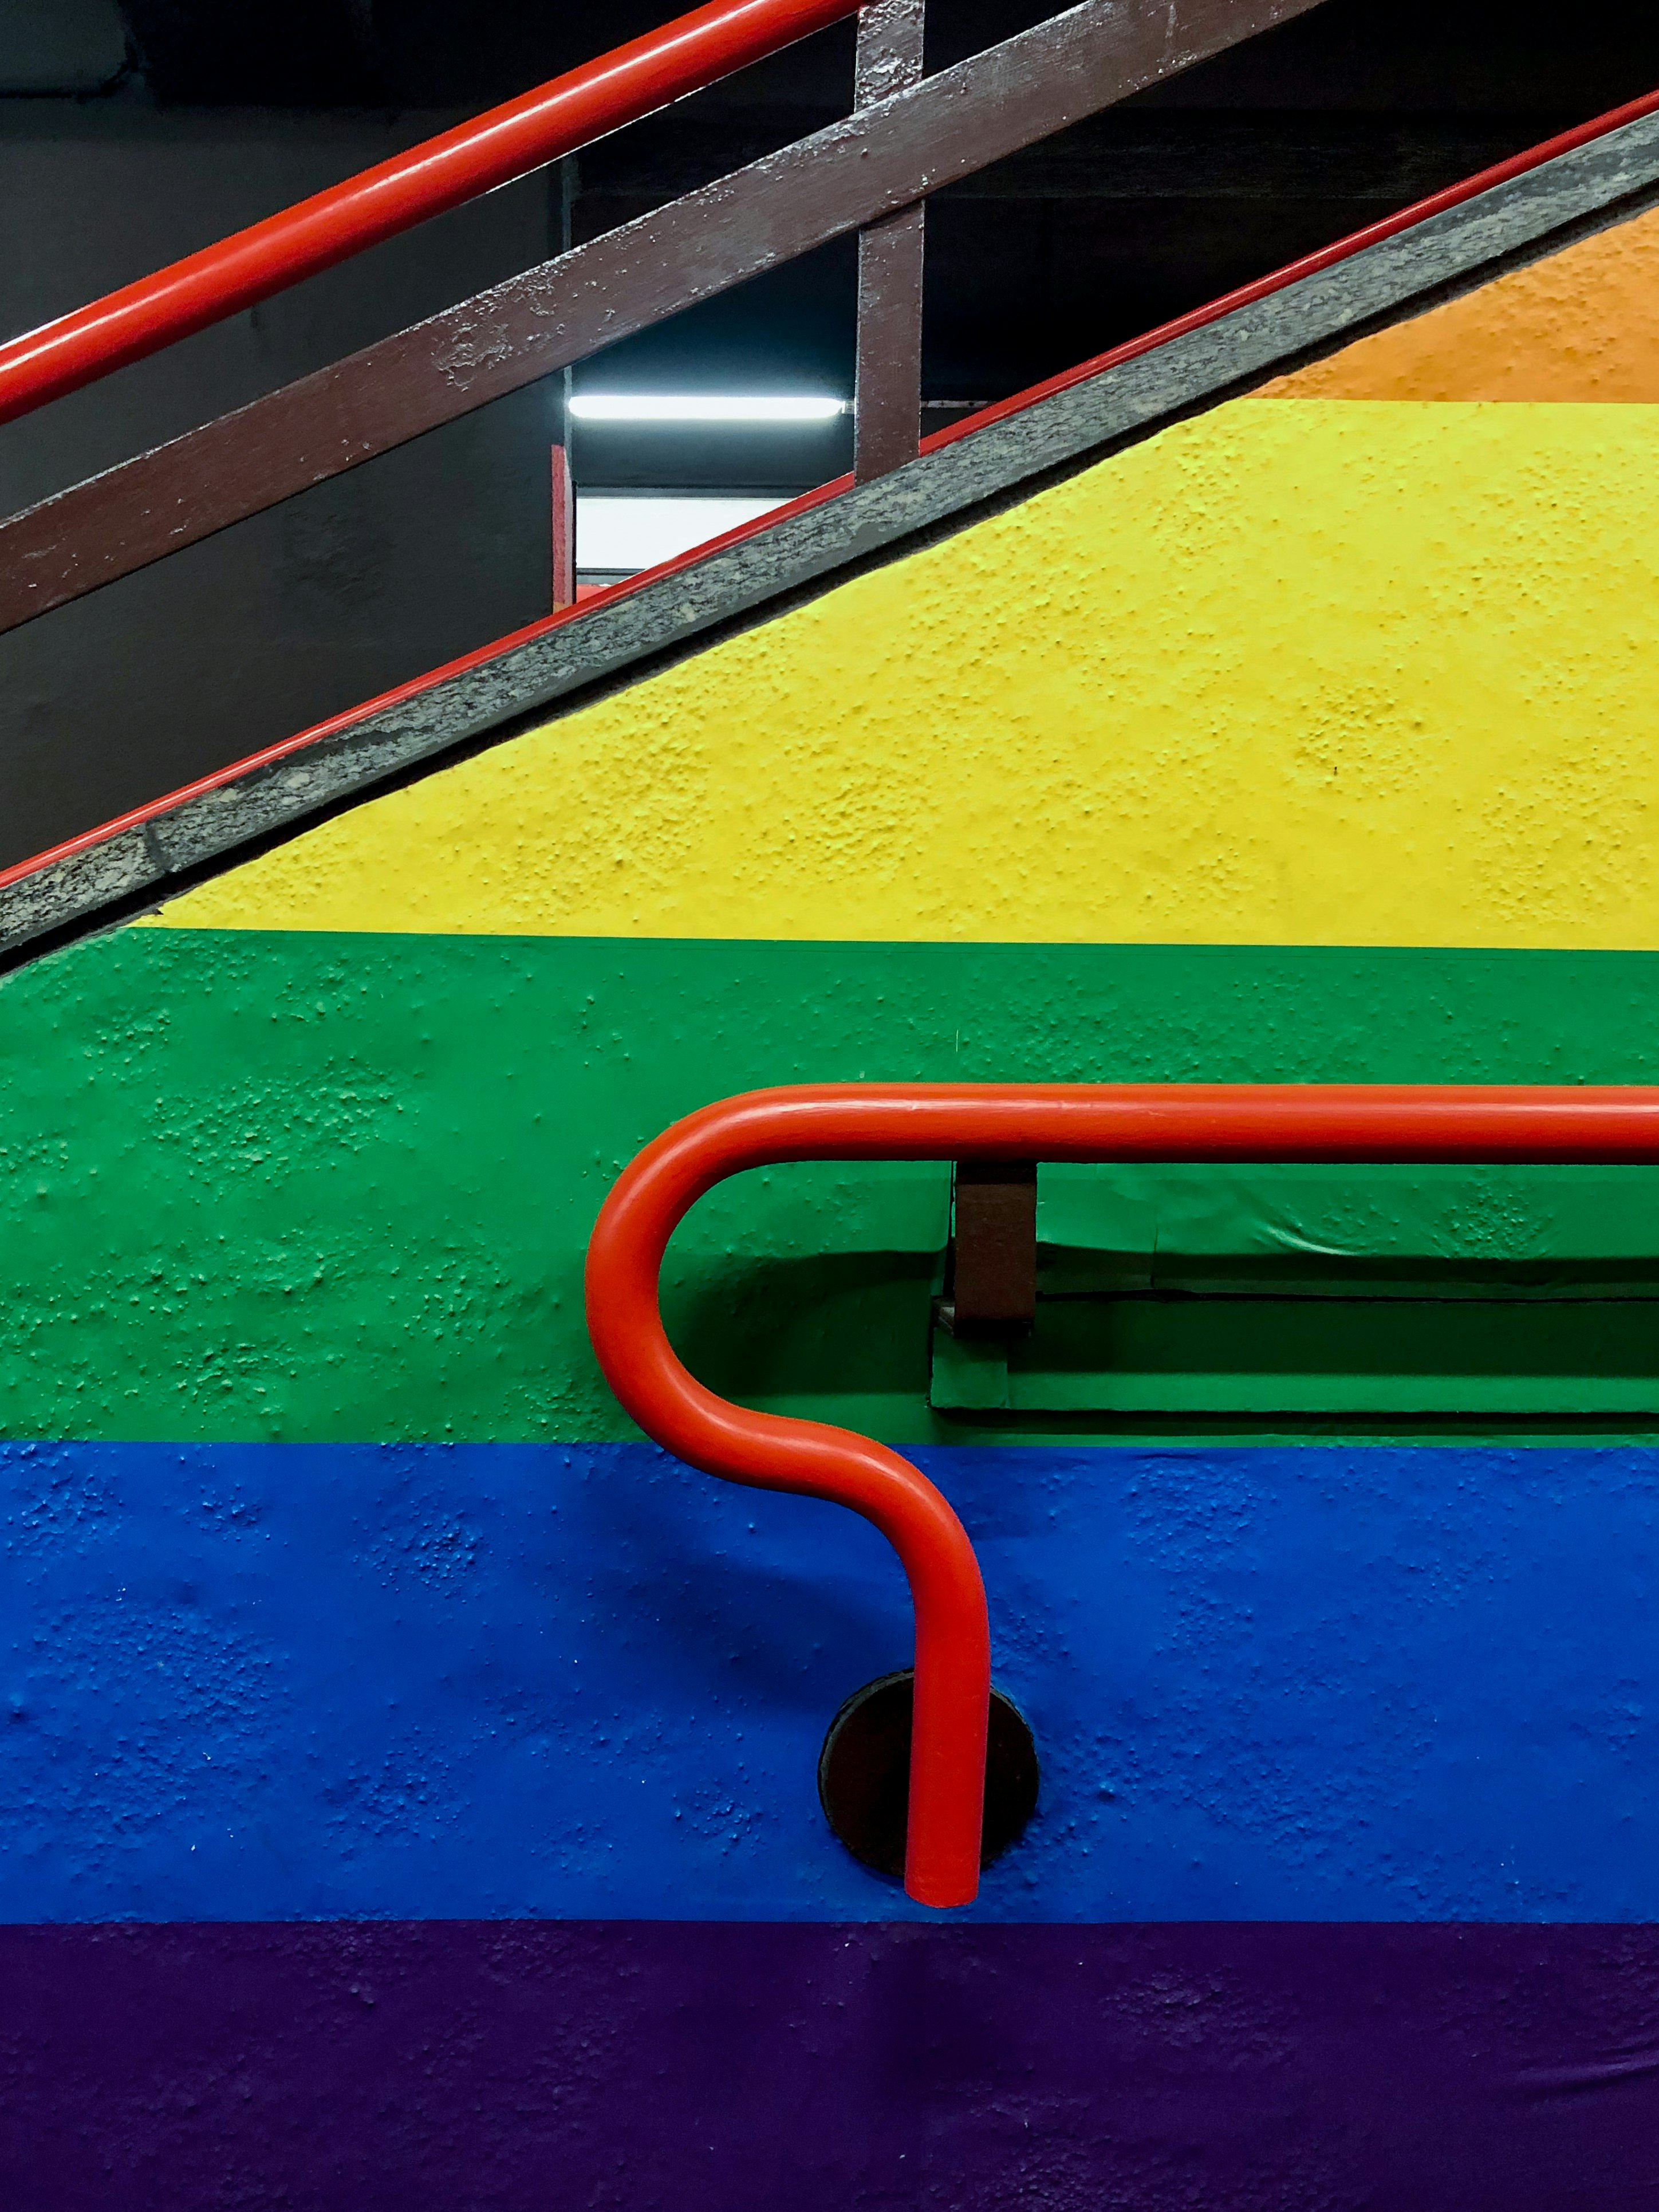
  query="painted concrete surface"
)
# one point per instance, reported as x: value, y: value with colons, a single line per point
x: 1581, y: 324
x: 1305, y: 672
x: 1309, y: 738
x: 1328, y: 1683
x: 830, y: 2069
x: 291, y: 1185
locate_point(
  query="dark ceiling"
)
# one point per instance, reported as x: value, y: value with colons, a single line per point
x: 1290, y: 140
x: 1429, y: 56
x: 1276, y: 148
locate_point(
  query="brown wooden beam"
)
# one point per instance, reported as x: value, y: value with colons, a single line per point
x: 887, y: 386
x: 868, y: 165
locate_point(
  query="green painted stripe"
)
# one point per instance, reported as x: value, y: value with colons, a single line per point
x: 338, y: 1187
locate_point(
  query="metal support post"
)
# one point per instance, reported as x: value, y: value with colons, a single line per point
x: 887, y: 389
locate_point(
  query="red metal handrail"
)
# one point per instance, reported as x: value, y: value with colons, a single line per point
x: 508, y: 141
x: 945, y: 1121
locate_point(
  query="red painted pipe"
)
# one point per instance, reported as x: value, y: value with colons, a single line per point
x: 946, y: 1121
x: 508, y: 141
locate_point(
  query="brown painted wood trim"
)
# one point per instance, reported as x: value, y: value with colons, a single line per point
x: 887, y: 384
x: 868, y: 165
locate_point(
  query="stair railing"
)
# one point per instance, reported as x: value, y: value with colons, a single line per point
x: 869, y: 173
x: 507, y: 142
x: 988, y: 1124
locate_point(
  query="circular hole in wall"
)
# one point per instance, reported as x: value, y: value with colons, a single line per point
x: 864, y: 1774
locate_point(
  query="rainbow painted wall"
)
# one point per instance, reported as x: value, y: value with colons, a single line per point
x: 409, y: 1771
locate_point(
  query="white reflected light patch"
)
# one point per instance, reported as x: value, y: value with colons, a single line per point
x: 618, y: 536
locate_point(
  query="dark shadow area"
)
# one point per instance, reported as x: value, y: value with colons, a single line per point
x: 842, y: 1323
x: 864, y: 1775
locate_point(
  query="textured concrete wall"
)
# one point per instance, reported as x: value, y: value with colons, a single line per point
x: 1303, y: 671
x: 1580, y: 325
x: 1309, y: 741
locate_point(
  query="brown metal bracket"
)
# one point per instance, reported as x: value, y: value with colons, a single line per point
x: 990, y: 1268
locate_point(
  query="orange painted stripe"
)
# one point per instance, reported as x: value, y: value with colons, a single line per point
x: 1582, y: 324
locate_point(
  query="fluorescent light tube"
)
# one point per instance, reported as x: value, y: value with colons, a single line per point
x: 698, y: 407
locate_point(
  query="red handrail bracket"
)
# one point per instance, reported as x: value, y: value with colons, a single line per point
x: 996, y: 1121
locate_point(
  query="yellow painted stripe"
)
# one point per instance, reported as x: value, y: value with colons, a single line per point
x: 1296, y: 672
x: 1582, y: 324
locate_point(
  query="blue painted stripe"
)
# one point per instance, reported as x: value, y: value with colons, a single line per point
x: 282, y: 1681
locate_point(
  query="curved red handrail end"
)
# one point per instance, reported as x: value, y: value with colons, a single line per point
x: 953, y: 1637
x: 947, y: 1121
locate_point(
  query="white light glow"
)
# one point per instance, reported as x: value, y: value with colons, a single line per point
x: 619, y: 536
x: 700, y: 407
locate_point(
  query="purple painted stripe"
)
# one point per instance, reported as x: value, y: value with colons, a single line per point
x: 445, y: 2066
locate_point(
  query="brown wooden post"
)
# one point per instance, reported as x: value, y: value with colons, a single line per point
x: 887, y: 387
